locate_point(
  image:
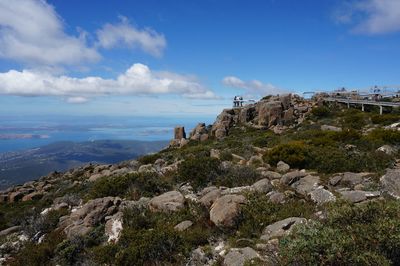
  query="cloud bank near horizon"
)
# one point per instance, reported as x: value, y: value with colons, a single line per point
x: 139, y: 79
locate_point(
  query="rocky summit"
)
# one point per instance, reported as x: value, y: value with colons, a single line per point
x: 282, y: 181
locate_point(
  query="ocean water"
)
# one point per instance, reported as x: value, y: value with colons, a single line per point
x: 24, y: 132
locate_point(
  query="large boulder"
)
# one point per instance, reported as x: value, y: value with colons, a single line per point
x: 322, y: 196
x: 209, y: 198
x: 247, y: 113
x: 282, y: 167
x: 225, y: 209
x: 306, y: 184
x: 240, y: 256
x: 269, y: 113
x: 113, y: 227
x: 354, y: 196
x: 168, y: 202
x: 83, y: 219
x: 291, y: 177
x: 391, y: 183
x: 199, y: 132
x: 262, y: 186
x: 223, y: 123
x: 281, y: 228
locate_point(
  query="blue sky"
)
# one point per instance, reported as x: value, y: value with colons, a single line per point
x: 187, y: 58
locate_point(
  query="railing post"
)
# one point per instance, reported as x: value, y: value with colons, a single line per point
x: 362, y: 107
x: 380, y: 109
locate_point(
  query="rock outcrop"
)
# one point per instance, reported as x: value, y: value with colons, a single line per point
x: 225, y: 209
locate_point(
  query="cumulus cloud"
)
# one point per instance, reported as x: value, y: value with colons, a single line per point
x: 370, y: 16
x: 32, y: 32
x: 137, y: 80
x: 127, y: 35
x: 253, y: 88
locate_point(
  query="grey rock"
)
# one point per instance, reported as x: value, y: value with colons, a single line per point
x: 281, y: 228
x: 225, y: 209
x: 354, y: 196
x: 10, y: 230
x: 113, y: 227
x: 291, y: 177
x: 182, y: 226
x: 331, y: 128
x: 179, y: 133
x: 255, y: 160
x: 391, y: 183
x: 335, y: 180
x: 390, y: 150
x: 282, y: 167
x: 83, y: 219
x: 271, y: 175
x: 322, y: 196
x: 209, y: 198
x: 239, y: 256
x: 262, y: 186
x: 169, y: 201
x: 306, y: 184
x: 277, y: 197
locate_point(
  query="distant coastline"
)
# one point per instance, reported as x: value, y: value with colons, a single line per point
x: 23, y: 136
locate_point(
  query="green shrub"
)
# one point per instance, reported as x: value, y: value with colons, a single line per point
x: 199, y: 171
x: 39, y: 254
x: 354, y: 119
x: 72, y: 251
x: 237, y: 176
x: 143, y: 184
x: 381, y: 136
x: 148, y: 246
x: 260, y: 212
x: 367, y: 234
x: 385, y: 119
x: 149, y: 158
x: 321, y: 111
x: 295, y: 153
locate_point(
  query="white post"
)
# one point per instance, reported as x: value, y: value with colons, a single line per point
x: 380, y: 109
x: 362, y: 107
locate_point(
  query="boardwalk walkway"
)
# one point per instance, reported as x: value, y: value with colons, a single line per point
x: 363, y: 102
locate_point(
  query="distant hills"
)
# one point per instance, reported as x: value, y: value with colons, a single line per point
x: 21, y: 166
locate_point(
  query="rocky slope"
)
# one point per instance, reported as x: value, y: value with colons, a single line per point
x: 274, y: 183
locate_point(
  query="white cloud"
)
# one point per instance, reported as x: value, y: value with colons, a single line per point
x: 77, y: 99
x: 32, y: 32
x: 137, y: 80
x: 370, y: 16
x: 254, y: 88
x: 125, y: 34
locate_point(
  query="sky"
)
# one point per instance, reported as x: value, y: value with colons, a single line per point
x: 187, y: 58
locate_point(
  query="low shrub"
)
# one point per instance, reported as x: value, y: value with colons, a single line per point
x: 385, y: 119
x: 260, y: 212
x: 143, y: 184
x: 237, y: 176
x: 149, y: 158
x: 199, y: 171
x: 321, y: 111
x: 365, y: 234
x: 295, y: 153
